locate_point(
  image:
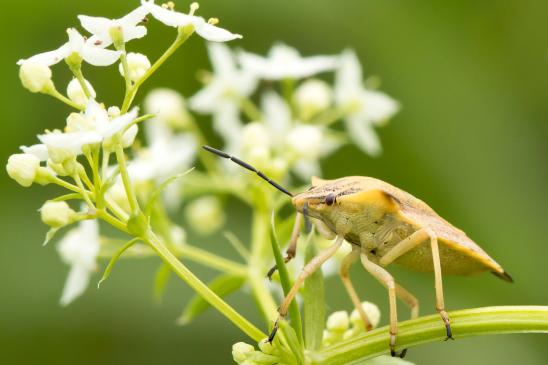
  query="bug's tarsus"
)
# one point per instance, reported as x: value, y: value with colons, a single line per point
x: 248, y: 167
x: 448, y: 332
x: 273, y: 269
x: 401, y: 355
x: 273, y: 333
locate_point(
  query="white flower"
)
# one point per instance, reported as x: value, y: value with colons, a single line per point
x: 79, y: 249
x: 311, y: 97
x: 365, y: 108
x: 284, y: 62
x: 125, y: 27
x: 168, y: 106
x: 205, y: 214
x: 23, y: 168
x: 138, y: 64
x: 166, y: 156
x: 76, y: 93
x: 172, y: 18
x: 90, y: 50
x: 35, y: 76
x: 302, y: 145
x: 228, y: 83
x: 56, y: 214
x: 95, y: 128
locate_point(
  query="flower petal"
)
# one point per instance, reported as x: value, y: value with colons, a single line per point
x: 38, y: 150
x: 277, y: 116
x: 132, y: 32
x: 362, y: 133
x: 49, y: 58
x: 76, y: 40
x: 216, y: 34
x: 379, y: 107
x: 95, y: 24
x: 118, y: 124
x: 166, y: 16
x: 97, y: 56
x: 75, y: 285
x: 135, y: 16
x: 221, y: 59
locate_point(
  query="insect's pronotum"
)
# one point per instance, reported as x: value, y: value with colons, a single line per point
x: 384, y: 225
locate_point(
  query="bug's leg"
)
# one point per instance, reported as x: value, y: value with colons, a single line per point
x: 345, y: 277
x: 404, y: 246
x: 409, y: 299
x: 440, y: 306
x: 388, y: 281
x: 292, y: 248
x: 309, y: 269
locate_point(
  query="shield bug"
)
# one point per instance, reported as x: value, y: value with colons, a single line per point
x: 385, y: 225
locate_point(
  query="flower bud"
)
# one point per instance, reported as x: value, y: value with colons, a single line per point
x: 338, y: 321
x: 168, y: 106
x: 128, y: 137
x: 77, y: 122
x: 305, y: 141
x: 56, y: 214
x: 205, y: 214
x: 137, y: 65
x: 113, y: 111
x: 44, y: 176
x: 35, y: 76
x: 22, y: 168
x: 371, y: 311
x: 241, y: 351
x: 76, y: 93
x: 254, y: 134
x: 312, y: 97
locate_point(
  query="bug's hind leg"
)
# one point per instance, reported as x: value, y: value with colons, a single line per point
x: 292, y: 248
x: 440, y: 306
x: 345, y: 277
x: 388, y: 281
x: 309, y: 269
x: 409, y: 299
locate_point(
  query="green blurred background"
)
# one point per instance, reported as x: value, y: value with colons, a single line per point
x: 471, y: 140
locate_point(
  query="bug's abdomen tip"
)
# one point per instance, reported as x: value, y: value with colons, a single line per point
x: 504, y: 276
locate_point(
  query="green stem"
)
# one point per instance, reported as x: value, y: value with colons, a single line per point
x: 183, y: 35
x: 77, y: 71
x: 250, y: 109
x: 57, y: 95
x: 184, y: 273
x: 125, y: 178
x: 465, y: 323
x: 208, y: 259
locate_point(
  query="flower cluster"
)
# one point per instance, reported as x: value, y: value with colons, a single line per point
x: 78, y: 157
x: 277, y: 112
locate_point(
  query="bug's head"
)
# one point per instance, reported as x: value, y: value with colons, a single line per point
x: 319, y: 200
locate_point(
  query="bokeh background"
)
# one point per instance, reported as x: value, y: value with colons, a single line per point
x: 471, y: 139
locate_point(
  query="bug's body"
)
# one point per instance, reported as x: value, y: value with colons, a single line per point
x: 378, y: 216
x: 385, y: 225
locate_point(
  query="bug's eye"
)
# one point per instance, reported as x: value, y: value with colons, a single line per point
x: 330, y: 199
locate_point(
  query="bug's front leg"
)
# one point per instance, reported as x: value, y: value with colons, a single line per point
x: 345, y: 278
x: 309, y: 269
x: 292, y: 247
x: 388, y: 281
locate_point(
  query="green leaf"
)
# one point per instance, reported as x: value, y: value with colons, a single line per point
x: 314, y: 301
x: 156, y: 193
x: 160, y: 281
x: 222, y: 285
x: 49, y: 235
x: 292, y: 341
x: 294, y: 313
x: 114, y: 259
x: 237, y: 244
